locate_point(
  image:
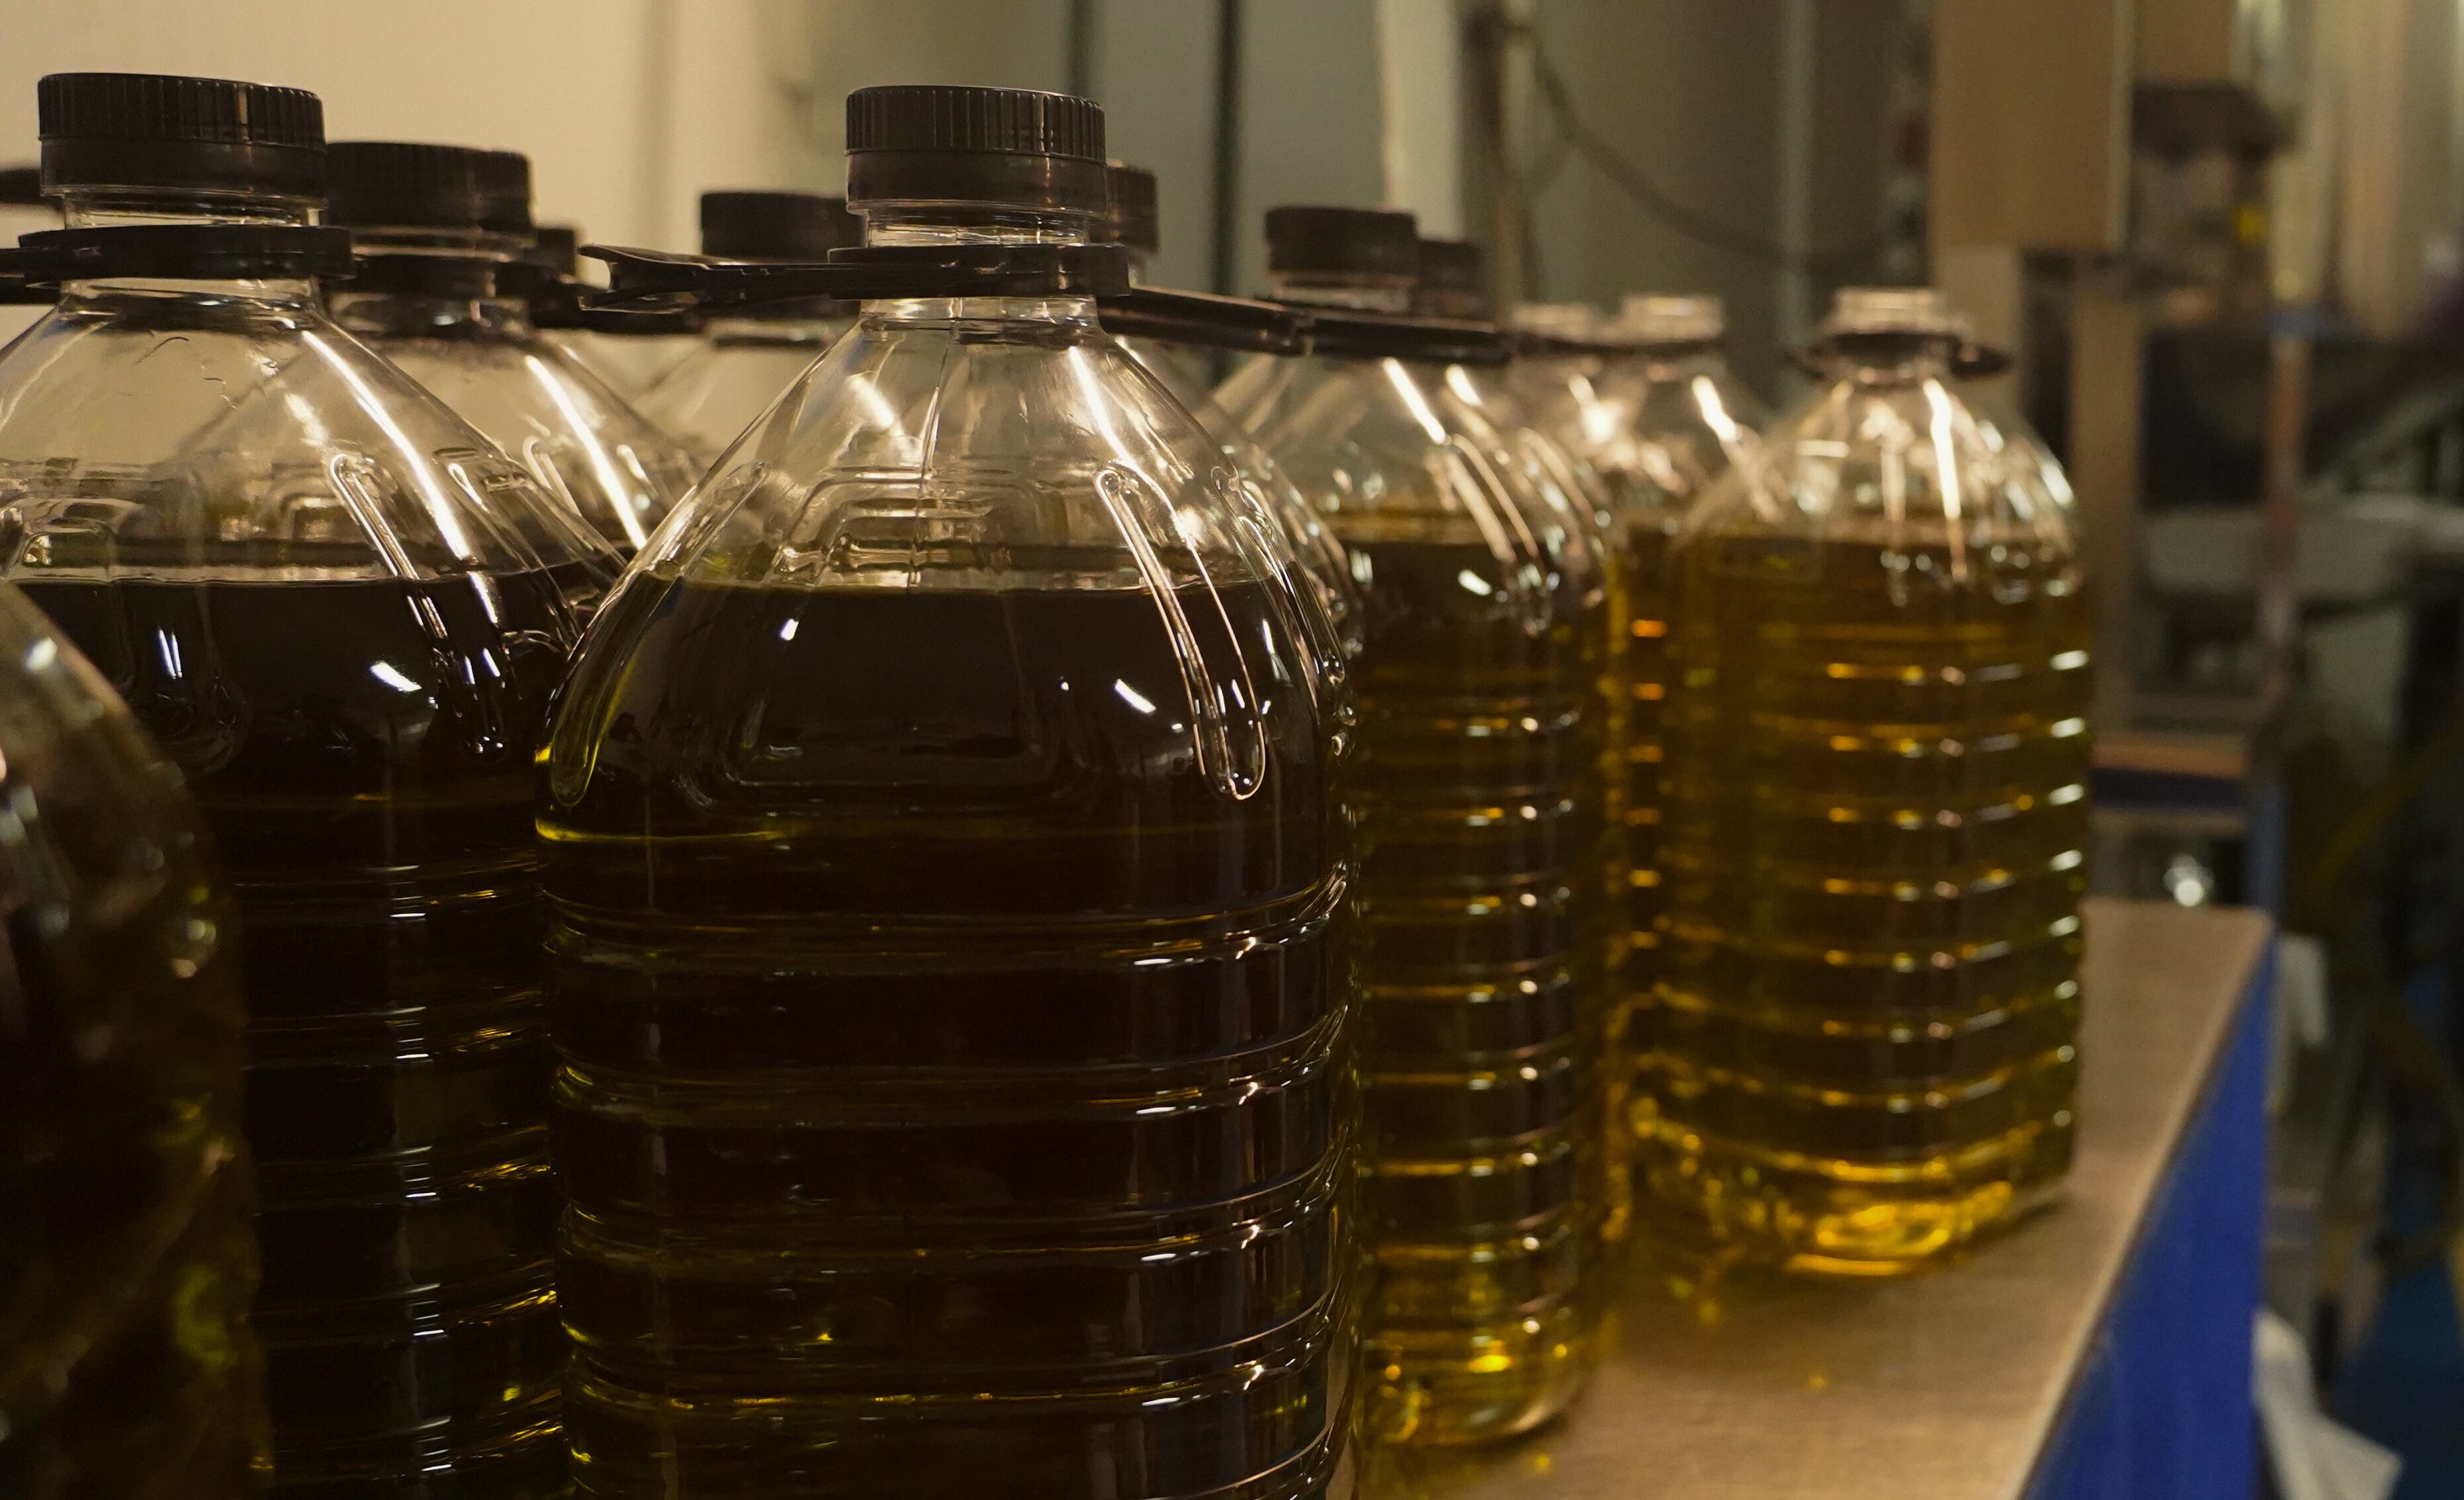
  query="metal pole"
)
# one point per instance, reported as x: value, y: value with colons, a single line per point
x: 2280, y: 602
x: 1793, y: 297
x: 1227, y: 227
x: 1082, y: 48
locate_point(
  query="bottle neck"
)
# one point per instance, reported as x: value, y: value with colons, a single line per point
x: 434, y: 283
x: 1353, y: 291
x: 112, y: 209
x: 903, y: 224
x: 395, y: 314
x: 121, y: 209
x: 1886, y: 357
x: 1459, y: 304
x: 1679, y: 361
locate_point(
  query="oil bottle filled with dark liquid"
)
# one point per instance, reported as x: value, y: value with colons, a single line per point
x: 747, y: 359
x: 126, y: 1364
x: 1646, y: 405
x: 947, y: 965
x: 1479, y: 788
x: 439, y: 231
x: 1861, y: 1053
x: 341, y: 611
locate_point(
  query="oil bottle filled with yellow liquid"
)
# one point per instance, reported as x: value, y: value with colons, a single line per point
x: 127, y: 1365
x: 340, y: 613
x: 1646, y: 402
x: 1479, y: 786
x: 1452, y: 283
x: 949, y: 914
x: 1861, y: 1053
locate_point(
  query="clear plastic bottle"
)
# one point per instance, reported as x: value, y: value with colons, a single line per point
x: 1861, y: 1049
x: 340, y: 611
x: 1131, y: 222
x: 540, y: 275
x: 1454, y: 284
x: 956, y: 1093
x: 126, y: 1364
x: 1657, y: 422
x: 1480, y: 787
x: 436, y: 227
x: 746, y: 360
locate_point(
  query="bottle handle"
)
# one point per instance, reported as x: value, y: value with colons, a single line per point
x: 1226, y: 718
x: 1505, y: 530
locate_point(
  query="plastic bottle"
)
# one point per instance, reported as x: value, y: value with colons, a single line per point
x: 126, y: 1364
x: 1131, y: 222
x: 1454, y: 284
x: 955, y: 1097
x: 436, y: 228
x: 538, y: 276
x: 745, y: 360
x: 1479, y: 785
x: 1862, y: 1047
x: 340, y: 611
x: 1652, y: 410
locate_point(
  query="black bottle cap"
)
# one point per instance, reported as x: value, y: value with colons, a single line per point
x: 406, y: 185
x: 948, y: 143
x: 554, y: 248
x: 153, y: 132
x: 1337, y: 241
x: 776, y: 225
x: 21, y: 186
x: 505, y: 188
x: 1132, y: 219
x: 1454, y: 266
x: 1454, y: 279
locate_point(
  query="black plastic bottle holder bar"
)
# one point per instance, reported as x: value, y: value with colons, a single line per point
x: 49, y: 258
x: 651, y: 282
x: 1964, y: 359
x: 34, y: 273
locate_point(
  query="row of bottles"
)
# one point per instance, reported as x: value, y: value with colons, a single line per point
x: 1062, y: 931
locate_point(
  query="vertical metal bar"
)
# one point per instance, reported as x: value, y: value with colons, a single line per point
x: 1225, y: 251
x: 1082, y: 48
x: 1793, y: 298
x: 2108, y: 333
x: 2279, y: 604
x: 1513, y: 55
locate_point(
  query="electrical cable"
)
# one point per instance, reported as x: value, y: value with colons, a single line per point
x: 1662, y: 204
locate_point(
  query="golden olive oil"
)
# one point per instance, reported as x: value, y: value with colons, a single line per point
x: 1860, y: 1051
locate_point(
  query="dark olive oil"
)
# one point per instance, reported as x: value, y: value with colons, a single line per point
x: 955, y: 1092
x: 363, y: 749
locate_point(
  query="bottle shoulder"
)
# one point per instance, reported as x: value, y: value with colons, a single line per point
x: 246, y: 437
x: 1022, y: 483
x: 928, y: 452
x: 1906, y: 465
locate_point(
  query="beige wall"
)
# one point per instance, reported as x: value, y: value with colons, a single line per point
x: 1691, y: 91
x: 627, y: 108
